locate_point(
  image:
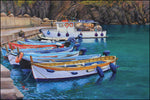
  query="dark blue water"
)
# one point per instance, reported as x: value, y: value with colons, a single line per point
x: 130, y: 43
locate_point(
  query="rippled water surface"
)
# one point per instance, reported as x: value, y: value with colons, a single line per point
x: 130, y: 43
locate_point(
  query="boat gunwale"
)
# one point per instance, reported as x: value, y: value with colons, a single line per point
x: 51, y: 66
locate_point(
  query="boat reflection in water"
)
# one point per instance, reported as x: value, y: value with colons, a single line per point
x: 103, y: 42
x: 70, y: 84
x: 16, y: 73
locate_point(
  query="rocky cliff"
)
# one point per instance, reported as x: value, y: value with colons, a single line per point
x: 105, y: 12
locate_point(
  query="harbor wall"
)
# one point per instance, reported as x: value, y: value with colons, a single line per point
x: 14, y: 36
x: 8, y: 90
x: 14, y: 22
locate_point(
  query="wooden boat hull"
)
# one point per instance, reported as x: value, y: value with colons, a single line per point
x: 52, y: 38
x: 65, y: 49
x: 42, y: 74
x: 40, y: 43
x: 73, y: 69
x: 12, y: 59
x: 45, y: 49
x: 12, y: 56
x: 15, y: 45
x: 38, y: 50
x: 64, y: 59
x: 26, y: 64
x: 55, y: 54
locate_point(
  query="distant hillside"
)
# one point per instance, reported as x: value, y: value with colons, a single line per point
x: 105, y: 12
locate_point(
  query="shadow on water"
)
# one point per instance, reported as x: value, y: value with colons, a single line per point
x: 112, y: 78
x: 99, y: 80
x: 18, y: 75
x: 71, y: 84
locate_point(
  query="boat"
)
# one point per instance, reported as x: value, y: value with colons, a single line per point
x: 43, y: 38
x: 38, y: 50
x: 80, y: 28
x: 40, y: 43
x: 73, y: 69
x: 6, y: 50
x: 67, y: 48
x: 65, y: 59
x: 37, y: 41
x: 15, y: 45
x: 14, y: 58
x: 25, y: 63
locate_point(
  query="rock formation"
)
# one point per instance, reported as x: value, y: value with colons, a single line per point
x: 105, y: 12
x: 3, y: 14
x: 26, y: 15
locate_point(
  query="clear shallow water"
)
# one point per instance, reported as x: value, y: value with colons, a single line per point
x: 130, y: 43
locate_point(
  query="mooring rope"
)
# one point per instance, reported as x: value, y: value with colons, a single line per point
x: 27, y: 76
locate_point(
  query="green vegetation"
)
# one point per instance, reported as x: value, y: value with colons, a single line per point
x: 29, y: 2
x: 105, y: 2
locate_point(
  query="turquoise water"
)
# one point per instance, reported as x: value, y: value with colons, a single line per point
x: 130, y: 43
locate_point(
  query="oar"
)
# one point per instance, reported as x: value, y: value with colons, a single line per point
x: 6, y: 47
x: 52, y: 60
x: 10, y: 45
x: 17, y: 50
x: 31, y: 59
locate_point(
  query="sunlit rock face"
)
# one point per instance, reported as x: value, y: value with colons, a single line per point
x: 114, y: 12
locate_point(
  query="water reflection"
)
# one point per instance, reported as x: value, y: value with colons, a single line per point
x: 16, y: 73
x: 112, y: 77
x: 100, y: 41
x: 103, y: 42
x: 71, y: 84
x: 96, y: 39
x: 80, y: 40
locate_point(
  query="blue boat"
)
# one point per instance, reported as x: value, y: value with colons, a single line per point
x: 4, y: 51
x: 64, y: 59
x: 14, y: 58
x: 67, y: 48
x: 40, y: 43
x: 44, y: 50
x: 25, y: 63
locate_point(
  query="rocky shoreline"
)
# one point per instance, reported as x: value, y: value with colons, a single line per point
x: 104, y: 12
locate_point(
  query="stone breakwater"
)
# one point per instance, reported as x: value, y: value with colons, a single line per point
x: 11, y: 35
x: 11, y: 26
x: 8, y: 90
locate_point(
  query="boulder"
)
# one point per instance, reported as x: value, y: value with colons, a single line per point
x: 19, y: 15
x: 45, y: 19
x: 3, y: 14
x: 34, y: 17
x: 11, y: 15
x: 26, y: 15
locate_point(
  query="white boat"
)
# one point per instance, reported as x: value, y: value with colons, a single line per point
x: 72, y: 69
x: 84, y: 29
